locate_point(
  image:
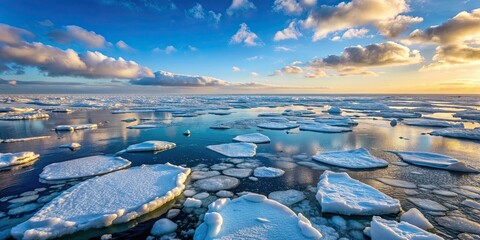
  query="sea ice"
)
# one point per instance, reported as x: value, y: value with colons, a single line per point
x: 427, y: 204
x: 382, y: 229
x: 397, y: 183
x: 471, y: 203
x: 338, y: 193
x: 277, y: 125
x: 192, y: 203
x: 415, y: 217
x: 434, y: 160
x: 431, y: 123
x: 75, y: 127
x: 151, y: 146
x: 339, y: 121
x: 325, y: 128
x: 12, y: 159
x: 398, y: 114
x: 459, y: 224
x: 444, y: 193
x: 14, y: 140
x: 473, y: 134
x: 288, y: 197
x: 71, y: 146
x: 268, y: 172
x: 357, y: 158
x: 224, y: 194
x: 162, y: 227
x: 238, y: 172
x: 252, y: 138
x: 217, y: 183
x: 114, y: 198
x: 142, y: 126
x: 261, y: 218
x: 196, y: 175
x: 334, y: 110
x: 25, y: 116
x: 83, y: 167
x: 235, y: 149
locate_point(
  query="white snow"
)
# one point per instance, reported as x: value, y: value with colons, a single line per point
x: 102, y: 201
x: 238, y: 172
x: 252, y: 138
x: 325, y: 128
x: 434, y: 160
x: 382, y: 229
x: 427, y: 204
x: 75, y: 127
x: 357, y: 158
x: 12, y: 159
x: 473, y: 134
x: 261, y: 218
x: 217, y: 183
x: 415, y: 217
x: 459, y: 224
x: 162, y: 227
x: 338, y: 193
x: 397, y: 183
x: 151, y: 146
x: 235, y: 149
x: 431, y: 123
x: 268, y: 172
x: 288, y: 197
x: 277, y: 125
x: 14, y: 140
x: 83, y: 167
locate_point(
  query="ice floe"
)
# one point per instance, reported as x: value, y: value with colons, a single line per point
x: 288, y: 197
x: 83, y: 167
x: 334, y: 110
x: 324, y: 128
x: 473, y: 134
x: 397, y: 183
x: 261, y: 218
x: 252, y: 138
x: 14, y: 140
x: 382, y: 229
x: 151, y: 146
x: 12, y: 159
x: 235, y: 149
x: 238, y: 172
x: 277, y: 125
x: 357, y: 158
x: 142, y: 126
x: 434, y: 160
x: 459, y: 224
x: 468, y: 114
x: 268, y: 172
x: 339, y: 121
x: 338, y: 193
x: 431, y: 123
x: 25, y: 116
x: 162, y: 227
x: 75, y: 127
x: 102, y: 201
x: 398, y: 114
x: 71, y: 146
x: 427, y: 204
x: 415, y: 217
x: 216, y: 183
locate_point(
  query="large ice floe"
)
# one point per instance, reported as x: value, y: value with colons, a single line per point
x: 75, y: 127
x: 431, y: 123
x: 260, y: 218
x: 114, y: 198
x: 473, y: 134
x: 338, y: 193
x: 382, y: 229
x: 235, y: 149
x: 277, y: 125
x: 252, y: 138
x: 434, y: 160
x: 357, y: 158
x: 12, y: 159
x: 325, y: 128
x: 150, y: 146
x: 25, y: 116
x: 83, y: 167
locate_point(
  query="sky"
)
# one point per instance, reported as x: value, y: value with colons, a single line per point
x: 240, y: 46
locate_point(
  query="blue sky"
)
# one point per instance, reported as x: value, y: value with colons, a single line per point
x: 197, y: 38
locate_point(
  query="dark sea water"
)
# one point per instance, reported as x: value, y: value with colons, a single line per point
x: 112, y: 135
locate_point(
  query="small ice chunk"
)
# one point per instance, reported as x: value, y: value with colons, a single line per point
x: 151, y: 146
x: 277, y: 125
x: 12, y: 159
x: 415, y: 217
x: 334, y: 110
x: 196, y: 175
x: 382, y: 229
x: 434, y: 160
x: 324, y: 128
x: 221, y: 166
x: 471, y: 203
x: 23, y: 209
x: 260, y: 218
x: 268, y: 172
x: 217, y: 183
x: 24, y: 199
x: 186, y: 133
x: 224, y: 194
x: 172, y: 213
x: 192, y: 203
x: 83, y: 167
x: 201, y: 196
x: 459, y: 224
x: 410, y: 192
x: 71, y: 146
x: 357, y: 158
x: 235, y: 149
x: 14, y: 140
x: 288, y: 197
x: 162, y: 227
x: 427, y: 204
x: 252, y: 138
x: 397, y: 183
x: 238, y: 172
x: 338, y: 193
x: 445, y: 193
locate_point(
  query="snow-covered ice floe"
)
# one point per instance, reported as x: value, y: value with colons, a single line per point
x: 252, y: 138
x: 338, y: 121
x: 473, y: 134
x: 75, y: 127
x: 277, y: 125
x: 382, y: 229
x: 357, y: 158
x: 83, y: 167
x: 71, y: 146
x: 25, y: 116
x: 325, y: 128
x: 434, y: 160
x: 253, y: 216
x: 114, y: 198
x: 235, y: 149
x: 14, y: 140
x: 338, y: 193
x: 12, y: 159
x: 268, y: 172
x: 431, y: 123
x: 151, y: 146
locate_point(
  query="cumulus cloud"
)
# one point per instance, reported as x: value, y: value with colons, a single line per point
x: 291, y: 32
x: 289, y: 7
x: 196, y: 12
x: 352, y: 33
x: 392, y: 28
x: 124, y: 46
x: 292, y: 69
x: 276, y: 73
x: 356, y: 60
x: 236, y: 69
x: 57, y: 62
x: 240, y: 6
x: 12, y: 35
x: 246, y: 36
x: 75, y: 34
x: 163, y: 78
x: 328, y: 19
x: 170, y: 49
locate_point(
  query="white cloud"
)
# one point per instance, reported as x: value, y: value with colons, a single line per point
x: 292, y: 69
x: 192, y: 48
x: 254, y: 74
x: 124, y: 46
x: 46, y: 23
x: 12, y: 35
x: 198, y: 12
x: 253, y: 58
x: 163, y: 78
x: 236, y: 69
x: 291, y: 32
x: 289, y: 7
x: 283, y: 49
x: 75, y: 34
x: 214, y: 17
x: 276, y: 73
x: 352, y: 33
x: 240, y: 5
x: 245, y: 36
x: 392, y: 28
